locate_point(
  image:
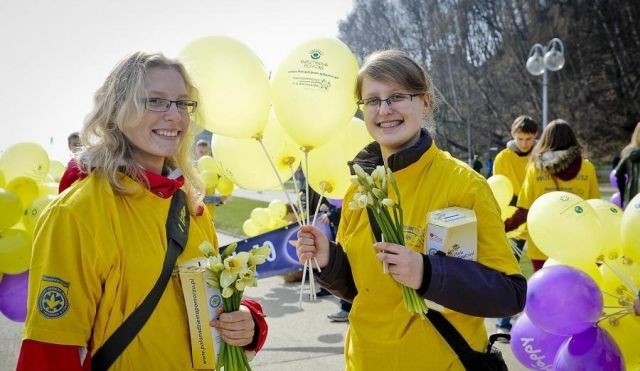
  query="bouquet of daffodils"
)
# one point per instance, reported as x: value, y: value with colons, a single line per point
x: 232, y: 273
x: 373, y: 194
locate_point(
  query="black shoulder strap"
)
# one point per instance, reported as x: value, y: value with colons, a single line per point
x: 177, y: 228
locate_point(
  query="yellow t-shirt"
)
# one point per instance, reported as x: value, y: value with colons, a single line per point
x: 382, y: 335
x: 538, y: 182
x: 509, y: 164
x: 96, y: 256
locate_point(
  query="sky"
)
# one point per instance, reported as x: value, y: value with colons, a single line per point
x: 55, y: 54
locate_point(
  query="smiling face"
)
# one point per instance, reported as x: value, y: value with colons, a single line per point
x: 394, y: 127
x: 159, y: 134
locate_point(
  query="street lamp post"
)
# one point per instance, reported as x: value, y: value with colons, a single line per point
x: 541, y: 59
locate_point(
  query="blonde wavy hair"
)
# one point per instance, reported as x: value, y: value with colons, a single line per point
x: 118, y: 104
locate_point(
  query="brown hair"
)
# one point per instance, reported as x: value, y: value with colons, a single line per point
x: 524, y: 124
x: 557, y: 136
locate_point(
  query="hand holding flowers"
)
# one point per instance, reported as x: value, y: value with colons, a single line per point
x: 406, y: 266
x: 232, y: 274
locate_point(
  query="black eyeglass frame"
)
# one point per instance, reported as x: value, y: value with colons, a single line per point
x: 191, y: 105
x: 364, y: 102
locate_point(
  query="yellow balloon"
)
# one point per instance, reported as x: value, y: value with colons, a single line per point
x: 619, y: 276
x: 56, y: 169
x: 233, y: 85
x: 502, y: 190
x: 11, y: 209
x: 225, y: 186
x: 261, y: 217
x: 591, y: 269
x: 630, y: 229
x: 244, y: 160
x: 25, y: 188
x: 15, y: 251
x: 328, y: 172
x: 207, y: 163
x: 610, y: 217
x: 625, y: 332
x: 33, y: 212
x: 209, y: 178
x: 48, y: 188
x: 2, y: 181
x: 313, y: 91
x: 277, y: 209
x: 249, y: 228
x: 280, y: 223
x: 25, y: 159
x: 565, y: 227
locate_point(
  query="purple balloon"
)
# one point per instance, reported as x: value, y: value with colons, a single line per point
x: 13, y: 296
x: 613, y: 180
x: 533, y: 347
x: 335, y: 202
x: 563, y: 300
x: 615, y: 199
x: 592, y: 349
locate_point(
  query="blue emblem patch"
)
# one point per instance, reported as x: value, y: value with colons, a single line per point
x: 53, y: 301
x: 215, y: 301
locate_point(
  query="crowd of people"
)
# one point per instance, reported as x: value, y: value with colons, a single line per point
x: 101, y: 246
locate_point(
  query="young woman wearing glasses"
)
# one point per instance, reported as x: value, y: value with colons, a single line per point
x: 396, y: 97
x: 99, y: 248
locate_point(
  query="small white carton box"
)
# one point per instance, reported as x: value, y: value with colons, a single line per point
x: 454, y: 232
x: 202, y: 302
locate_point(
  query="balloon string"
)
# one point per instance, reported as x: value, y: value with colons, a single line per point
x: 614, y: 317
x: 275, y: 171
x: 315, y: 214
x: 618, y: 272
x: 304, y: 276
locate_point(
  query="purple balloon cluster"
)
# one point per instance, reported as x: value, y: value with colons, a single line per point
x: 558, y: 329
x: 13, y: 296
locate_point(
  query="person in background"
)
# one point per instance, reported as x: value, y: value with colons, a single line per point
x: 477, y: 164
x: 99, y: 247
x: 396, y: 97
x: 512, y: 163
x: 627, y: 171
x: 202, y: 148
x: 556, y: 164
x: 74, y: 143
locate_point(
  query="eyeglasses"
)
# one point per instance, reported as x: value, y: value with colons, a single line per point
x: 371, y: 104
x: 163, y: 105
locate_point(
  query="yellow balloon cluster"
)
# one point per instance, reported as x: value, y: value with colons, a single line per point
x: 610, y: 216
x: 25, y: 159
x: 233, y: 85
x: 244, y: 161
x: 24, y: 168
x: 502, y: 190
x: 619, y: 284
x: 263, y: 219
x: 328, y: 172
x: 211, y: 177
x: 313, y: 91
x: 630, y: 229
x: 565, y: 227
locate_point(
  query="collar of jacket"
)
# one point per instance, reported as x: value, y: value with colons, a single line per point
x: 512, y: 146
x: 558, y: 162
x: 371, y: 156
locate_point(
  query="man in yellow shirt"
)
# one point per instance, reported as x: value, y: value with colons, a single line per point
x: 512, y: 163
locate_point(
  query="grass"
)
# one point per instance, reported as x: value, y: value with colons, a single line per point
x: 230, y: 216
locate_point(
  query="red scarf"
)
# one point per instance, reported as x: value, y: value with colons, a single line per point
x: 158, y: 184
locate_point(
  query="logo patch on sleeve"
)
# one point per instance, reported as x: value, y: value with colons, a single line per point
x: 53, y: 301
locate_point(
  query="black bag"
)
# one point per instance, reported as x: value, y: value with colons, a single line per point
x: 490, y: 360
x: 177, y: 228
